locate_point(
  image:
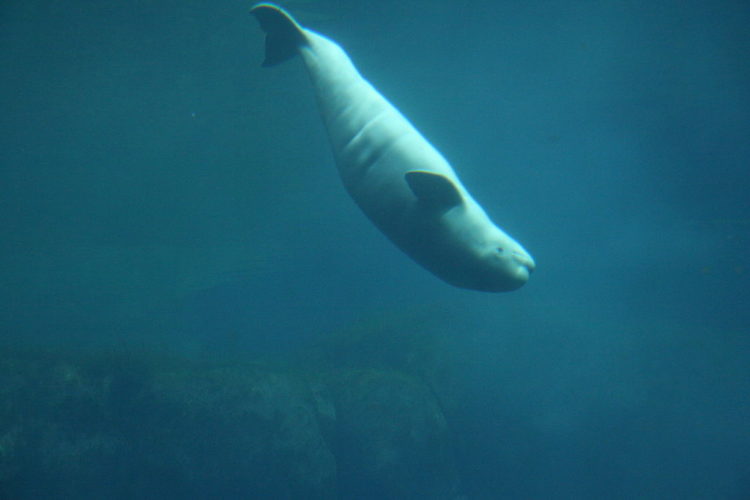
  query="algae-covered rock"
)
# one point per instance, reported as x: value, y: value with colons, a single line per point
x: 138, y: 427
x: 89, y: 429
x: 392, y: 440
x: 57, y: 438
x: 238, y: 432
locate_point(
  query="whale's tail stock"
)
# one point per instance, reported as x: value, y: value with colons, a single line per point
x: 283, y: 34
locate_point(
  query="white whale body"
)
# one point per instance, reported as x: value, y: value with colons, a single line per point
x: 398, y: 179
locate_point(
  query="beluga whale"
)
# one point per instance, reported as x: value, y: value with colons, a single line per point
x: 399, y: 180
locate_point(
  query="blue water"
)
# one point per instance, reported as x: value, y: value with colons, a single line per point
x: 159, y: 189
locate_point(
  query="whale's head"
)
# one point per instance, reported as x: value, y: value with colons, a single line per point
x: 458, y: 242
x: 488, y: 259
x: 506, y: 263
x: 475, y: 254
x: 500, y: 263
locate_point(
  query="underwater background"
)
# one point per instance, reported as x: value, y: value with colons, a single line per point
x: 192, y: 307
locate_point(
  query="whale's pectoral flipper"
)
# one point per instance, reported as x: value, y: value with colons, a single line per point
x: 283, y: 34
x: 434, y: 190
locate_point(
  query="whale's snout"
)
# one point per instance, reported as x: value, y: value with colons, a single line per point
x: 525, y: 260
x: 501, y: 271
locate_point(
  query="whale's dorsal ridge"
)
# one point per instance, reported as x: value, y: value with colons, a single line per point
x: 283, y: 34
x: 434, y: 190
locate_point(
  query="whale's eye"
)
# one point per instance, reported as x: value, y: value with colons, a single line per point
x: 500, y: 249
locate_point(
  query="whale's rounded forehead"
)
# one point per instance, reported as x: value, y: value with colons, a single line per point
x: 496, y: 237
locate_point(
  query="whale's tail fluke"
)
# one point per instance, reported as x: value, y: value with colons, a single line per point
x: 283, y: 34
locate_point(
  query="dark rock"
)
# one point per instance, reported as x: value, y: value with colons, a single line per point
x: 134, y: 427
x: 56, y: 437
x: 392, y: 440
x: 240, y: 432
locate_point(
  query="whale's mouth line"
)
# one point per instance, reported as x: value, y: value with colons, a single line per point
x: 525, y: 261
